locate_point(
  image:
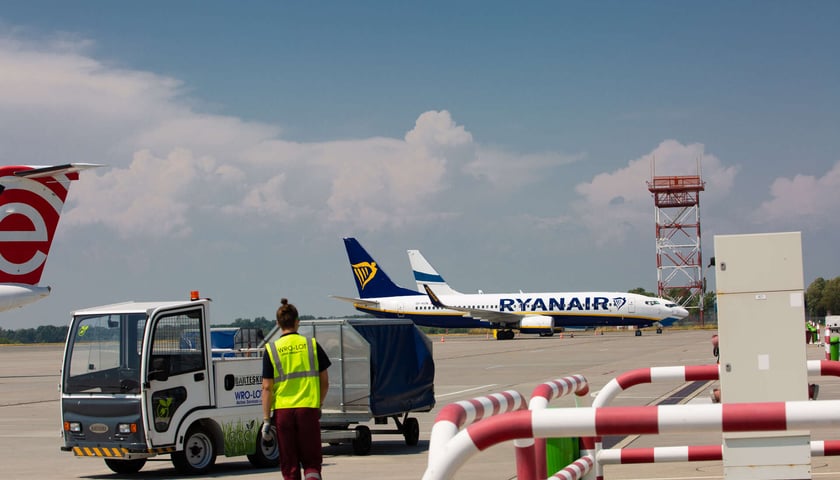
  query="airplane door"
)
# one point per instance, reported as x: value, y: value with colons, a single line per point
x: 631, y: 306
x: 176, y: 372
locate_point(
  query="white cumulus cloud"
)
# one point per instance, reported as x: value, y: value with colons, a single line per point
x: 170, y: 162
x: 613, y: 204
x: 803, y: 201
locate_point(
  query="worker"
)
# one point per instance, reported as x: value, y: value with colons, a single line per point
x: 715, y: 393
x: 294, y: 385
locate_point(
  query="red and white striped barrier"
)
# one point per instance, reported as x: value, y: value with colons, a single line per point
x: 824, y: 368
x: 623, y: 456
x: 530, y: 452
x: 632, y: 378
x: 678, y: 374
x: 572, y: 422
x: 639, y: 376
x: 576, y: 470
x: 454, y: 416
x: 557, y: 388
x: 697, y: 453
x: 688, y: 373
x: 827, y: 341
x: 825, y: 448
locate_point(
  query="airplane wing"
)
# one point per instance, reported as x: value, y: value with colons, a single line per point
x: 356, y: 301
x: 491, y: 316
x: 50, y: 171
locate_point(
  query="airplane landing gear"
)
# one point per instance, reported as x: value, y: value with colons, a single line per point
x: 504, y: 334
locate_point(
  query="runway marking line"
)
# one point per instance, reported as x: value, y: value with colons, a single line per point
x: 465, y: 391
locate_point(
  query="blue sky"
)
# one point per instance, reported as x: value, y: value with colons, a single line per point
x: 510, y: 143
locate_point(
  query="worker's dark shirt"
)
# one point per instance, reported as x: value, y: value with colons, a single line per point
x: 323, y: 361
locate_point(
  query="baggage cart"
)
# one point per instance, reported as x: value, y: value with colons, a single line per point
x: 381, y: 369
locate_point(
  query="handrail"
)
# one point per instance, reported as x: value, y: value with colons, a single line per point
x: 576, y: 470
x: 693, y: 453
x: 592, y: 421
x: 454, y: 416
x: 446, y: 438
x: 688, y: 373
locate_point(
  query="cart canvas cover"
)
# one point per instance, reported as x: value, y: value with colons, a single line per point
x: 402, y: 368
x: 383, y: 366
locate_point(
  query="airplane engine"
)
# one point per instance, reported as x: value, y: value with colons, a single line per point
x: 537, y: 324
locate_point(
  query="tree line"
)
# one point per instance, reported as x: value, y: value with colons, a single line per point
x: 823, y: 297
x: 53, y: 334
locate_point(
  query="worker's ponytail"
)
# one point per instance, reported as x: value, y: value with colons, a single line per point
x: 287, y: 315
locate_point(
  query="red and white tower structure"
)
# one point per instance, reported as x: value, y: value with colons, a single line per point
x: 679, y: 262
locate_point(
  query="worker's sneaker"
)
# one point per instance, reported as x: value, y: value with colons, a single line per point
x: 813, y: 391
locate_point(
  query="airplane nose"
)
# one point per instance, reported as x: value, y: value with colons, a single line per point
x: 680, y: 312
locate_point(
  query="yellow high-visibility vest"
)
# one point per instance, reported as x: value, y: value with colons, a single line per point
x: 296, y: 377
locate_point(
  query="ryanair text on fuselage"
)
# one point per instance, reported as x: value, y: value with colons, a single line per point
x: 559, y: 304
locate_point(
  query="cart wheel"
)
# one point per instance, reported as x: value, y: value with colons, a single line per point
x: 267, y: 453
x: 198, y: 455
x: 125, y: 466
x: 363, y: 440
x: 411, y: 431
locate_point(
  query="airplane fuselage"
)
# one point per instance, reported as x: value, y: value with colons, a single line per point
x: 18, y: 295
x: 436, y: 304
x: 579, y: 310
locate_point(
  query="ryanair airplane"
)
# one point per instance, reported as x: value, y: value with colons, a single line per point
x: 541, y: 313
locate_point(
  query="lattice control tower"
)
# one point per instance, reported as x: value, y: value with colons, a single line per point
x: 679, y: 262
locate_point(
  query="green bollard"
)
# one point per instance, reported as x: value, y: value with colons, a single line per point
x: 560, y: 453
x: 834, y: 348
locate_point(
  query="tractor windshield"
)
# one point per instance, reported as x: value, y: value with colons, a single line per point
x: 103, y: 354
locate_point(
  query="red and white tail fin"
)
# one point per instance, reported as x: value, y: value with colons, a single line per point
x: 31, y: 199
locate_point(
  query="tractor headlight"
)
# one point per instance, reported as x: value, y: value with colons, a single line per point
x: 126, y: 428
x: 73, y: 427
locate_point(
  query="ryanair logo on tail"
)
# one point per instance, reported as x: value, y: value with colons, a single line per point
x: 364, y: 271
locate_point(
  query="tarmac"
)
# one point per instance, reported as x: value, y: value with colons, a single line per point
x: 466, y: 367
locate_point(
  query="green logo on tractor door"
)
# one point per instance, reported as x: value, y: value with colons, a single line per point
x: 162, y: 409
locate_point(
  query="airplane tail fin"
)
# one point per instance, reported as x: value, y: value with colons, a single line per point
x: 425, y: 273
x: 31, y: 199
x: 371, y: 279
